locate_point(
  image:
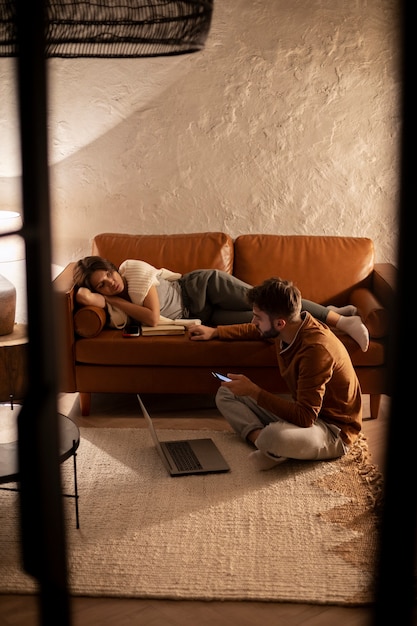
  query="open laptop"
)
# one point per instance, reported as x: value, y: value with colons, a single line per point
x: 191, y: 456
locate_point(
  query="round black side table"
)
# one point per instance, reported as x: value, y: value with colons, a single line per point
x: 9, y: 470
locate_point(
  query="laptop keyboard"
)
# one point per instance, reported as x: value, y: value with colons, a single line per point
x: 183, y: 455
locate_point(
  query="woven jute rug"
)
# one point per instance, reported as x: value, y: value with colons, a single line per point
x: 302, y: 532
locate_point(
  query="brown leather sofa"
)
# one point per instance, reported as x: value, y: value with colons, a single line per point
x: 329, y: 270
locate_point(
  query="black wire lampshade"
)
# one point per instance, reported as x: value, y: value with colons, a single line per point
x: 115, y: 28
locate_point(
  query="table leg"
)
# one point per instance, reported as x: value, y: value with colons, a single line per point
x: 76, y: 486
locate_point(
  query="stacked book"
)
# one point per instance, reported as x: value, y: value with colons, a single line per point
x: 171, y: 327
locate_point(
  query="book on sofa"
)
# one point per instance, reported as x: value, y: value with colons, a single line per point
x: 180, y: 321
x: 163, y: 329
x: 169, y: 327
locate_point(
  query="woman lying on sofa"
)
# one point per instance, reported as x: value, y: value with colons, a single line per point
x: 139, y: 291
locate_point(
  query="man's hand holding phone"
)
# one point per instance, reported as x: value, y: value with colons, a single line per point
x: 222, y: 377
x: 239, y: 384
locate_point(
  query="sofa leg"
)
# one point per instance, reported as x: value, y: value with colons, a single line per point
x: 85, y: 403
x: 374, y: 401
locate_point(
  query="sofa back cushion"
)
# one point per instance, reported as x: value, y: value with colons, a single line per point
x: 324, y: 268
x: 180, y: 253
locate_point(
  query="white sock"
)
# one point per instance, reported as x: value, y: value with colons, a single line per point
x: 263, y: 462
x: 353, y: 326
x: 347, y: 310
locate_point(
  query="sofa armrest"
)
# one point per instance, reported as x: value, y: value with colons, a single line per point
x: 375, y: 305
x: 64, y: 297
x: 384, y: 283
x: 373, y: 314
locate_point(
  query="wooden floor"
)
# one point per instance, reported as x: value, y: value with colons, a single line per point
x: 187, y: 413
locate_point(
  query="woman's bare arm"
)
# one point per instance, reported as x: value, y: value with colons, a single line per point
x: 148, y: 314
x: 85, y: 297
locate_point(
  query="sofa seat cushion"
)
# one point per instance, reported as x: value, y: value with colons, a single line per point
x: 110, y: 348
x: 375, y: 356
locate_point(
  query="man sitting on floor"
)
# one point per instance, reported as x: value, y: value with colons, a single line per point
x: 324, y: 416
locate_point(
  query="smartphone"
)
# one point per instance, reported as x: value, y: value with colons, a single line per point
x: 131, y: 330
x: 222, y: 377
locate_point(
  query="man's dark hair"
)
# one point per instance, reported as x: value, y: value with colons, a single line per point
x: 86, y: 267
x: 277, y: 298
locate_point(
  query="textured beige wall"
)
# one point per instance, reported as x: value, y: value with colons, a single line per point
x: 288, y: 122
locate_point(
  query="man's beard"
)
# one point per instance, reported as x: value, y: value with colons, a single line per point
x: 272, y: 333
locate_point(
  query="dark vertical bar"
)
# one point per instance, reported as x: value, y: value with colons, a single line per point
x: 42, y: 522
x: 396, y: 570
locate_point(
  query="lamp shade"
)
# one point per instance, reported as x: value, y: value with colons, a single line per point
x: 115, y: 28
x: 11, y: 245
